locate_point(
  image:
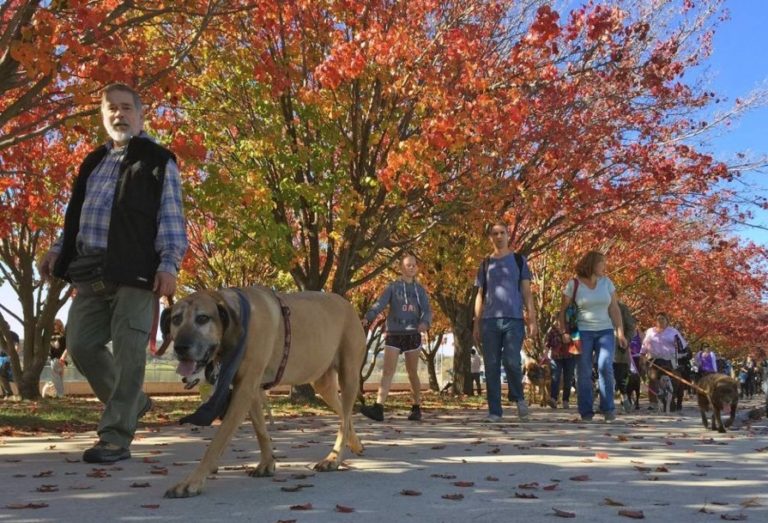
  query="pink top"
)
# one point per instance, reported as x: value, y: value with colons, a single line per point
x: 661, y: 344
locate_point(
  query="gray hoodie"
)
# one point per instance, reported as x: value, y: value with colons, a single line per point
x: 408, y: 307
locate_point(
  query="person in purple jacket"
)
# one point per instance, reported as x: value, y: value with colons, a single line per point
x: 409, y: 315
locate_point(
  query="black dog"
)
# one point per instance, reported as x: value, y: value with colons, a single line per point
x: 633, y: 389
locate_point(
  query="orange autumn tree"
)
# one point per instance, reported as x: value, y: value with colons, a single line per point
x: 352, y: 133
x: 55, y: 56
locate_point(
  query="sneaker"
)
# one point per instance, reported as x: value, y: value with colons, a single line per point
x: 492, y: 418
x: 375, y: 411
x: 586, y: 419
x: 626, y: 405
x: 522, y: 409
x: 552, y: 403
x: 566, y: 406
x: 610, y: 416
x: 104, y: 452
x: 415, y: 414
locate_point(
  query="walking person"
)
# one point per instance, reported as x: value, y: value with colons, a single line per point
x: 504, y: 292
x: 58, y: 357
x: 562, y: 365
x: 123, y: 242
x: 661, y: 345
x: 409, y: 315
x: 600, y: 327
x: 475, y: 365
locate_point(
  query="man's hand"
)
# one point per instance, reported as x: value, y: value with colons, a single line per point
x: 423, y: 327
x: 165, y: 284
x: 45, y: 267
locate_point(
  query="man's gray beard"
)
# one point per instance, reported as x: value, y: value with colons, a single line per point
x: 119, y: 136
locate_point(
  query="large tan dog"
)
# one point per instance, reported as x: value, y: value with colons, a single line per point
x: 327, y: 350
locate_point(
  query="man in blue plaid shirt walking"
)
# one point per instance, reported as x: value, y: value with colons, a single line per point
x: 123, y: 241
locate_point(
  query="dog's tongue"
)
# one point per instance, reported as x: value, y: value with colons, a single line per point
x: 186, y: 368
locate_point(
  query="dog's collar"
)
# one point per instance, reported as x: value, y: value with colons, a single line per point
x: 286, y: 345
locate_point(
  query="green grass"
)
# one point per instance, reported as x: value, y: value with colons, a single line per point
x: 79, y: 414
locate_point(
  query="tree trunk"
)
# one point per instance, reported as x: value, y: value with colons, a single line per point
x: 434, y: 383
x: 462, y: 337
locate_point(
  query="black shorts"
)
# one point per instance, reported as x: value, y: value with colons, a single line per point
x: 404, y: 342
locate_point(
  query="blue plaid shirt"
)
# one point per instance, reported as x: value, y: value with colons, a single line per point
x: 171, y: 239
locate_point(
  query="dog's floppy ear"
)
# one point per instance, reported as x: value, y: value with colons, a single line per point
x: 165, y: 323
x: 230, y: 325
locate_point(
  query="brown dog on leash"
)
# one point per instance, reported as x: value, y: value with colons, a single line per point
x: 327, y: 347
x: 716, y: 391
x: 539, y: 377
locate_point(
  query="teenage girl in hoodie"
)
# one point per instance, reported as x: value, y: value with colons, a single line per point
x: 409, y: 315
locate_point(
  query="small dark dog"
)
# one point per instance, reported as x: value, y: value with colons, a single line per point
x: 633, y: 390
x: 717, y: 390
x: 664, y: 394
x: 539, y: 376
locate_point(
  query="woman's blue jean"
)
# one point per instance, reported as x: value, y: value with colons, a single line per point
x: 502, y: 341
x: 603, y: 344
x: 566, y: 367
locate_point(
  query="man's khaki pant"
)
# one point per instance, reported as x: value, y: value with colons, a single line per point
x: 116, y: 377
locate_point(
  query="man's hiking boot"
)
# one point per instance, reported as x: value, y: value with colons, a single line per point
x: 104, y: 452
x: 415, y: 414
x: 375, y: 411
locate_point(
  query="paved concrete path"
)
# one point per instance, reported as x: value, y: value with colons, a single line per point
x: 458, y: 468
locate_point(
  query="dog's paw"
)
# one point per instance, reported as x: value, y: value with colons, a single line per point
x: 262, y: 470
x: 185, y: 489
x: 327, y: 465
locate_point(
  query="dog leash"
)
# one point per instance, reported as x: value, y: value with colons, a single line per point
x: 286, y: 312
x: 681, y: 379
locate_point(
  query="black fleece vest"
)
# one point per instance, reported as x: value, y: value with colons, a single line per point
x: 131, y: 258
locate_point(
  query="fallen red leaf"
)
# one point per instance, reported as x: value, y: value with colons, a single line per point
x: 491, y: 478
x: 563, y: 514
x: 407, y: 492
x: 44, y: 474
x: 642, y: 469
x: 662, y: 469
x: 305, y: 506
x: 464, y: 483
x: 48, y: 488
x: 526, y: 495
x: 582, y: 477
x: 438, y: 447
x: 533, y: 485
x: 443, y: 476
x: 733, y: 517
x: 150, y: 506
x: 139, y: 485
x: 602, y: 455
x: 612, y: 503
x: 453, y: 497
x: 19, y: 506
x: 343, y: 509
x: 634, y: 514
x: 291, y: 489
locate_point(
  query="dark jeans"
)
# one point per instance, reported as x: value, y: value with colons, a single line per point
x: 476, y: 381
x: 566, y: 367
x: 502, y: 341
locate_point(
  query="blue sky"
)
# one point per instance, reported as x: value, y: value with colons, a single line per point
x: 738, y: 65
